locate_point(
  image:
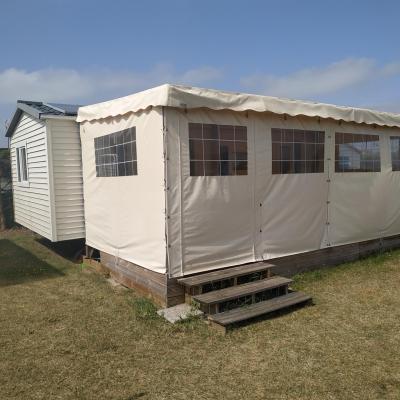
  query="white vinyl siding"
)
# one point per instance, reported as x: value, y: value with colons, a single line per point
x: 32, y: 200
x: 66, y: 161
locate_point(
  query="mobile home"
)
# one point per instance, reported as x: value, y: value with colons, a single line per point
x: 47, y: 169
x: 181, y: 181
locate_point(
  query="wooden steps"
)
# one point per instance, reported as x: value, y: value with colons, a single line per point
x: 224, y: 274
x: 257, y: 309
x: 238, y: 291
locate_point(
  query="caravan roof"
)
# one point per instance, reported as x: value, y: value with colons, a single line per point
x: 192, y: 97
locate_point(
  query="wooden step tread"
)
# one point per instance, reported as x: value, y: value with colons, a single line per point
x: 223, y: 274
x: 257, y: 309
x: 245, y: 289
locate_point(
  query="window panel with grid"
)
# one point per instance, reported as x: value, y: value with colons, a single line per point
x: 395, y: 150
x: 116, y: 154
x: 217, y: 150
x: 297, y: 151
x: 357, y: 153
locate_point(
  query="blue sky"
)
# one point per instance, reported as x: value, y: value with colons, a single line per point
x: 343, y: 52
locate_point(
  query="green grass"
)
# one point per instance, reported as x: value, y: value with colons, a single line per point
x: 66, y: 333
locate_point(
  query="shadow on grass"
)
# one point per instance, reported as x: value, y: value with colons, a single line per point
x: 17, y: 265
x: 72, y: 250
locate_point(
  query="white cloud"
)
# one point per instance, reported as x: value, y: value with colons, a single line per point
x: 322, y: 81
x: 391, y: 69
x: 69, y: 85
x: 88, y: 86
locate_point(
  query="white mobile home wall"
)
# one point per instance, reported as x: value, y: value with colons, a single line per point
x: 51, y: 204
x: 32, y: 207
x: 218, y: 221
x: 66, y: 161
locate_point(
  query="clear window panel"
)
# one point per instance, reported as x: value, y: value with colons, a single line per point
x: 319, y: 166
x: 195, y: 131
x: 215, y: 150
x: 134, y: 151
x: 357, y: 152
x: 288, y: 135
x: 197, y: 168
x: 276, y: 151
x: 299, y: 167
x: 241, y: 167
x: 210, y: 131
x: 121, y: 169
x: 287, y: 151
x: 311, y: 167
x: 276, y: 167
x: 212, y: 168
x: 227, y: 150
x: 276, y: 135
x: 129, y: 168
x: 23, y: 164
x: 211, y: 150
x: 311, y: 136
x: 18, y: 164
x: 115, y: 154
x: 226, y: 132
x: 241, y: 133
x: 287, y: 167
x: 241, y: 150
x: 128, y: 151
x: 196, y: 149
x: 297, y: 150
x: 395, y: 152
x: 298, y: 136
x: 311, y: 151
x: 228, y: 168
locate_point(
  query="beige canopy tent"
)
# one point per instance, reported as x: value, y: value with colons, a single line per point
x: 181, y: 180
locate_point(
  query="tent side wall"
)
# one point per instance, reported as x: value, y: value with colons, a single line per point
x: 211, y: 220
x: 32, y: 199
x: 125, y: 215
x: 219, y: 221
x: 66, y: 178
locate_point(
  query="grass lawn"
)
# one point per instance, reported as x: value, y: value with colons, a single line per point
x: 66, y: 333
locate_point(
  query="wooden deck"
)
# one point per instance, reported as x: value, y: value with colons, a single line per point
x: 222, y: 274
x: 262, y: 308
x: 167, y: 291
x: 247, y: 289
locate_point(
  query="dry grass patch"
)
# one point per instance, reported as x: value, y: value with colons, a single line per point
x: 66, y: 333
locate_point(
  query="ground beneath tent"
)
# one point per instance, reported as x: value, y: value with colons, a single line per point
x: 66, y: 333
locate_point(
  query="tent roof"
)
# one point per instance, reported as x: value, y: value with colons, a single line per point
x: 192, y: 97
x: 40, y: 110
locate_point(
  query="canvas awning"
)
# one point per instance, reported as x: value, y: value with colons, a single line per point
x: 193, y: 97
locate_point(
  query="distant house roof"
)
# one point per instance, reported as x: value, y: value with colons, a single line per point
x: 40, y: 110
x: 187, y: 97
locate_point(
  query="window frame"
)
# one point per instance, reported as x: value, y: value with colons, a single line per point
x: 392, y: 161
x: 291, y: 139
x: 337, y: 160
x: 236, y: 159
x: 117, y: 141
x: 21, y: 162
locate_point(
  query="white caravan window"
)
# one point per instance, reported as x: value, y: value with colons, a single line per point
x: 357, y: 153
x: 297, y: 151
x: 116, y: 153
x: 217, y: 150
x: 22, y: 170
x: 395, y: 149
